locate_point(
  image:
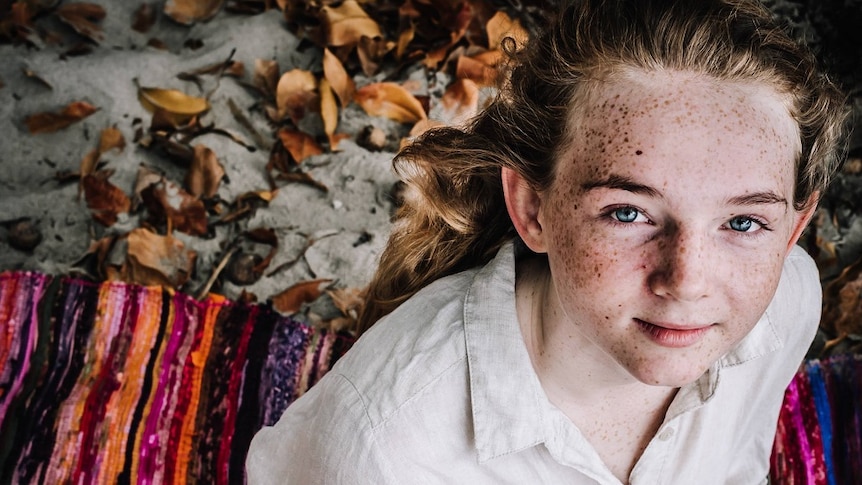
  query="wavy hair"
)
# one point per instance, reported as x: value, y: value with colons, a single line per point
x: 454, y: 216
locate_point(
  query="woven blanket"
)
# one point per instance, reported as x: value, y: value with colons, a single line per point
x: 117, y: 383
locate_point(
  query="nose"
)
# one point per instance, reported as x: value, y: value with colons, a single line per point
x: 683, y: 267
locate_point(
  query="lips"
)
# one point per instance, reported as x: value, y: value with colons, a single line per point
x: 673, y: 335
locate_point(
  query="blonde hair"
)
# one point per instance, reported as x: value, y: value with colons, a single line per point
x: 455, y: 218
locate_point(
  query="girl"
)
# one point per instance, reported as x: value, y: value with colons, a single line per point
x: 597, y: 282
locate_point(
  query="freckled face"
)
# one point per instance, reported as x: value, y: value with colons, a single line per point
x: 669, y: 220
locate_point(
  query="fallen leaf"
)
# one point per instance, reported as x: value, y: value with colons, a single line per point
x: 339, y: 80
x: 51, y: 122
x: 36, y: 77
x: 329, y: 112
x: 205, y: 173
x: 501, y: 26
x: 842, y: 302
x: 265, y: 76
x: 228, y: 68
x: 390, y: 100
x: 300, y: 145
x: 480, y: 69
x: 371, y: 51
x: 460, y: 101
x: 291, y: 300
x: 172, y: 101
x: 144, y: 18
x: 347, y: 300
x: 145, y: 178
x: 168, y: 203
x: 80, y: 16
x: 157, y: 260
x: 110, y: 139
x: 187, y: 12
x: 404, y: 38
x: 418, y: 129
x: 347, y: 23
x: 295, y: 93
x: 106, y: 200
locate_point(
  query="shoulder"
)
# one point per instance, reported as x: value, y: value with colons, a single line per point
x: 795, y: 308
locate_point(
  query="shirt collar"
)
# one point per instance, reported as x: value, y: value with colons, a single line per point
x: 504, y: 388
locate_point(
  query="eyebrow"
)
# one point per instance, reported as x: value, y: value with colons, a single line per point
x: 757, y: 198
x: 621, y: 182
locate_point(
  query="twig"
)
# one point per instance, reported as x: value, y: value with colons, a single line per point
x: 216, y: 272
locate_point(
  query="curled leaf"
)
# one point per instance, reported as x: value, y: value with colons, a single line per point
x: 106, y: 200
x: 187, y: 12
x: 390, y: 100
x: 461, y: 101
x: 168, y: 203
x: 157, y: 260
x: 172, y: 101
x: 329, y: 112
x: 300, y: 145
x: 348, y: 23
x: 291, y: 300
x: 265, y: 76
x: 295, y: 94
x: 80, y: 16
x: 339, y: 80
x: 205, y: 173
x: 501, y: 26
x: 51, y: 122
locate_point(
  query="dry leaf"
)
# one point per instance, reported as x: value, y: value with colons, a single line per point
x: 339, y: 80
x: 157, y: 260
x: 347, y: 23
x: 205, y: 173
x: 371, y: 51
x: 501, y: 26
x: 110, y: 139
x: 295, y: 94
x: 144, y: 18
x: 179, y: 105
x: 329, y: 113
x: 168, y: 203
x: 106, y: 200
x: 265, y: 77
x: 460, y: 101
x: 225, y: 68
x: 390, y: 100
x: 291, y: 300
x: 404, y: 38
x: 80, y: 16
x: 51, y: 122
x: 479, y: 69
x: 188, y: 12
x: 842, y: 302
x: 300, y: 145
x: 347, y: 300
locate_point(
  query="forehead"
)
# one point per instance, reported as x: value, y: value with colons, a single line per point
x: 666, y: 120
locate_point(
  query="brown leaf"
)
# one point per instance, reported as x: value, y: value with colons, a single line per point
x: 157, y: 260
x: 168, y: 203
x: 51, y: 122
x: 295, y: 94
x: 461, y: 101
x: 265, y: 76
x: 291, y: 300
x: 144, y: 18
x: 300, y: 145
x: 371, y: 51
x: 842, y: 302
x: 225, y: 68
x: 347, y: 300
x: 479, y: 69
x: 339, y: 80
x: 110, y: 139
x: 501, y: 26
x: 80, y: 16
x: 347, y: 23
x: 390, y: 100
x: 205, y: 173
x: 145, y: 178
x: 172, y: 101
x: 187, y: 12
x: 106, y: 200
x: 329, y: 113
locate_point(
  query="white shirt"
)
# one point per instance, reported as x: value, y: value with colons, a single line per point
x: 442, y: 391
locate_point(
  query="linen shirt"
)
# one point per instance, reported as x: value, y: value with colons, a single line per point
x: 442, y: 391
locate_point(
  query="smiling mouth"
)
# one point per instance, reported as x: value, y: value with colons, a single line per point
x: 676, y: 337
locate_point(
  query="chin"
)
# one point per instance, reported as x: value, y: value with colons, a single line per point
x: 666, y: 374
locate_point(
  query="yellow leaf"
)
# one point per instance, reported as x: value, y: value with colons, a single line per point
x: 188, y: 12
x: 329, y: 112
x: 295, y: 92
x: 111, y: 138
x: 390, y: 100
x: 501, y: 26
x: 338, y: 78
x: 172, y: 101
x: 347, y: 23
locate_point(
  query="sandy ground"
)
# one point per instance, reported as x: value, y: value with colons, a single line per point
x: 349, y: 223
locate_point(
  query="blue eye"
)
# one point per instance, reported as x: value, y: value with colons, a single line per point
x: 625, y: 214
x: 742, y: 224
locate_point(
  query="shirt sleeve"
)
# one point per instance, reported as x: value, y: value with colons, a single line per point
x: 323, y: 437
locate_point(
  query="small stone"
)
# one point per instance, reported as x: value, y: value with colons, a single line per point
x: 241, y: 269
x: 24, y: 235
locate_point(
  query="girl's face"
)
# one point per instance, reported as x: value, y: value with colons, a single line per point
x: 669, y: 220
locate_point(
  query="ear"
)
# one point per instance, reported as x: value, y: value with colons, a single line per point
x: 524, y: 206
x: 803, y: 217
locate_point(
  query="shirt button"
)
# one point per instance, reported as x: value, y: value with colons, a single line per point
x: 666, y: 434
